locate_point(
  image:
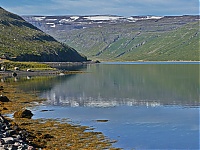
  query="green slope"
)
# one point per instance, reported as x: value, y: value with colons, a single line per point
x: 20, y: 40
x: 163, y: 40
x: 180, y: 44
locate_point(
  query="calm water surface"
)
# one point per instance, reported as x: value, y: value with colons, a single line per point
x: 147, y: 105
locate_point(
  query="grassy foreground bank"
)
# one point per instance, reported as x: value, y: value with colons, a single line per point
x: 49, y: 133
x: 11, y: 65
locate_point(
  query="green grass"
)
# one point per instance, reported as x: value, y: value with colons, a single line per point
x: 20, y: 40
x: 159, y: 41
x: 10, y: 65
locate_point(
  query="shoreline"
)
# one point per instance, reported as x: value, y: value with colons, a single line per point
x: 57, y: 71
x: 143, y: 61
x: 49, y: 133
x: 36, y: 73
x: 53, y: 69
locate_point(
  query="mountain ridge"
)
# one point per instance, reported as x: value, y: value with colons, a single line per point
x: 21, y: 41
x: 117, y: 38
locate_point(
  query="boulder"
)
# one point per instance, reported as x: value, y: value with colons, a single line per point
x: 4, y: 99
x: 23, y: 114
x: 97, y: 61
x: 16, y: 68
x: 1, y: 88
x: 29, y: 70
x: 14, y: 74
x: 8, y: 140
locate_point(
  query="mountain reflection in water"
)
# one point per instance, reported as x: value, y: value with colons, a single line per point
x: 107, y: 91
x: 108, y: 85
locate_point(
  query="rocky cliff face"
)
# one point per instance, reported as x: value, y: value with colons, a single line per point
x: 20, y: 40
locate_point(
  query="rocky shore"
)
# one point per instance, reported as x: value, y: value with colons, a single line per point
x: 21, y: 132
x: 12, y: 137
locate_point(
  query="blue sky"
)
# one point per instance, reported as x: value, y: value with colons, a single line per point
x: 101, y: 7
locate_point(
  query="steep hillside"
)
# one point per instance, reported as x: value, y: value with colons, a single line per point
x: 19, y: 40
x: 126, y: 39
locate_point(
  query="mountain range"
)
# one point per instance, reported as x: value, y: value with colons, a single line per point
x: 21, y: 41
x: 118, y: 38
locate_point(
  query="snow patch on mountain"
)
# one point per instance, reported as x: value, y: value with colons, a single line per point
x: 52, y: 25
x: 39, y: 18
x: 64, y: 20
x: 103, y: 18
x: 74, y: 17
x: 51, y: 19
x: 49, y: 23
x: 154, y: 17
x: 136, y: 18
x: 70, y: 19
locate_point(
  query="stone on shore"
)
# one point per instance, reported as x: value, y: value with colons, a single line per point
x: 4, y: 99
x: 12, y: 139
x: 23, y: 114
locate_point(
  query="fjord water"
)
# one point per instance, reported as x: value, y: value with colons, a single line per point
x: 147, y: 105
